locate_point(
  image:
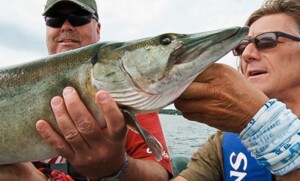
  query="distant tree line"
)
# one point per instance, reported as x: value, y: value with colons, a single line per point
x: 170, y: 111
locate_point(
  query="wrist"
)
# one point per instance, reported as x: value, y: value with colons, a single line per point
x: 119, y: 175
x: 273, y: 138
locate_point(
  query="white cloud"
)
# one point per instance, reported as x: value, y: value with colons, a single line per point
x: 12, y: 57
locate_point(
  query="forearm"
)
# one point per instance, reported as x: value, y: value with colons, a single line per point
x: 21, y: 171
x: 293, y: 176
x: 38, y: 176
x: 147, y: 170
x: 179, y: 178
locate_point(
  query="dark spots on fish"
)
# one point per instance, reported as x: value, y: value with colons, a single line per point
x: 138, y: 45
x: 110, y: 74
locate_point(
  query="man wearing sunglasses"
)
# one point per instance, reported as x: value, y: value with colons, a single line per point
x: 255, y: 105
x: 88, y: 151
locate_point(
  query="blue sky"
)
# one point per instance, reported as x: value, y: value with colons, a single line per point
x: 22, y: 27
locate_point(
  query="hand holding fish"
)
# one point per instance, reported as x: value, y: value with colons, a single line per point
x: 93, y: 151
x: 222, y: 98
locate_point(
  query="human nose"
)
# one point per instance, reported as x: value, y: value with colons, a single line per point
x: 67, y: 25
x: 250, y: 53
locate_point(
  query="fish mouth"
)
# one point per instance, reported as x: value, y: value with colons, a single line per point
x: 194, y: 47
x: 205, y: 47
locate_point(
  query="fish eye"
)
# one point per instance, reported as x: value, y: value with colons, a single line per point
x: 165, y: 40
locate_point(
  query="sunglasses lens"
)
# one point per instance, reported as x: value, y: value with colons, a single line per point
x: 238, y: 50
x: 54, y: 22
x: 77, y: 20
x: 262, y: 42
x: 265, y: 41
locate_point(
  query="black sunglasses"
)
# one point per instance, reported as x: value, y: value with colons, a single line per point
x: 262, y: 42
x: 74, y: 19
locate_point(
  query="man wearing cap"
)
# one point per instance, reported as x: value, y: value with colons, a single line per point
x: 88, y: 151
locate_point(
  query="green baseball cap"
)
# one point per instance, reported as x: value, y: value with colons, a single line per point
x: 87, y: 5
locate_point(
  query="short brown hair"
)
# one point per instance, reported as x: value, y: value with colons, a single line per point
x: 288, y: 7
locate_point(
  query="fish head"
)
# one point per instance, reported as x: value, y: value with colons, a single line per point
x: 160, y: 68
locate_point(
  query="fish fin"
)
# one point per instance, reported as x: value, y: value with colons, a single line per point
x: 132, y: 129
x: 153, y: 144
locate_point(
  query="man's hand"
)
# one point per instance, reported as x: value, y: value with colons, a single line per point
x: 93, y: 151
x: 222, y: 98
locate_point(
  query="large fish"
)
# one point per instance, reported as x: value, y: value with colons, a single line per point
x: 143, y: 75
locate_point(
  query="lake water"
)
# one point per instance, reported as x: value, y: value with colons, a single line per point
x: 184, y: 137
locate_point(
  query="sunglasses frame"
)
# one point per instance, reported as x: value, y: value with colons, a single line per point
x: 62, y: 18
x: 277, y: 34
